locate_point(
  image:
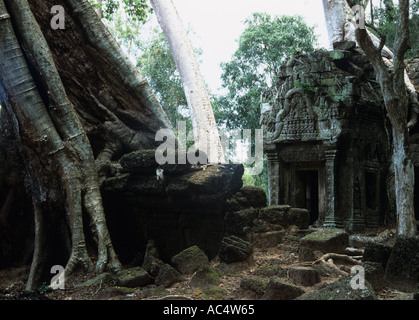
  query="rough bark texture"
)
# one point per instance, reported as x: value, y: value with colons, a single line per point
x: 71, y: 104
x: 396, y: 98
x: 398, y: 92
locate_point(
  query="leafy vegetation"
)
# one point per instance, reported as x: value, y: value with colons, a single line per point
x: 263, y: 47
x: 157, y: 64
x: 137, y: 10
x: 385, y: 18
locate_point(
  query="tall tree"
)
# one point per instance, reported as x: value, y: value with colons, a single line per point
x: 398, y: 93
x: 71, y: 103
x: 384, y: 16
x: 137, y: 10
x: 263, y: 47
x: 157, y: 64
x: 203, y: 121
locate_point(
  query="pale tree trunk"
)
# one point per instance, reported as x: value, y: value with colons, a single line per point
x: 398, y: 92
x: 203, y: 120
x: 99, y: 10
x: 339, y: 28
x: 73, y: 103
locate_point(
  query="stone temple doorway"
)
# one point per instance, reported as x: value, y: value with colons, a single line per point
x: 307, y: 192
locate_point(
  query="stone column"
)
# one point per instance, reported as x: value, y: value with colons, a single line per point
x: 330, y: 170
x: 273, y: 176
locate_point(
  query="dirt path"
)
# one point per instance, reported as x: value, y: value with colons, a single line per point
x: 267, y: 263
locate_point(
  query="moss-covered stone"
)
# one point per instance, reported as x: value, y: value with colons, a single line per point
x: 190, y: 260
x: 277, y: 289
x: 205, y: 276
x: 271, y: 271
x: 134, y: 277
x: 256, y: 285
x: 326, y: 240
x: 306, y: 254
x: 402, y: 269
x: 168, y: 276
x: 234, y: 249
x: 341, y: 290
x: 213, y: 293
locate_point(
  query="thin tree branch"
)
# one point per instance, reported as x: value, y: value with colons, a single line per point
x: 383, y: 37
x: 402, y: 41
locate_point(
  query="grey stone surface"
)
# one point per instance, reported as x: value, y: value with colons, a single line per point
x: 277, y: 289
x: 134, y: 277
x: 190, y: 260
x: 327, y: 240
x: 341, y: 290
x: 234, y: 249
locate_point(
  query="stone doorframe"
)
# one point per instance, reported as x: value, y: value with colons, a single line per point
x: 326, y: 182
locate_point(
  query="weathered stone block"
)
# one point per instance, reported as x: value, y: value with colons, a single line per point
x: 402, y: 270
x: 167, y: 276
x: 144, y: 161
x: 268, y: 239
x: 276, y: 289
x: 299, y: 217
x: 134, y: 277
x: 285, y: 216
x: 255, y: 285
x: 374, y: 274
x: 205, y: 276
x: 327, y: 240
x: 240, y: 222
x: 275, y: 215
x: 190, y: 260
x: 306, y: 254
x: 306, y: 277
x: 377, y: 252
x: 341, y: 290
x: 234, y: 249
x: 247, y: 197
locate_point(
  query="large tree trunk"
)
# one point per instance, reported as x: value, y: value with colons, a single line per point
x: 75, y: 103
x: 392, y: 79
x: 398, y: 91
x: 203, y: 120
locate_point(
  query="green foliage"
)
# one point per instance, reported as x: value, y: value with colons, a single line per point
x: 260, y: 180
x: 124, y: 18
x: 385, y: 20
x: 263, y: 46
x: 153, y: 56
x: 157, y: 64
x: 137, y: 10
x: 44, y: 288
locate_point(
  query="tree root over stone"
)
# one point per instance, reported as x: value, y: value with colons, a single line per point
x: 327, y: 263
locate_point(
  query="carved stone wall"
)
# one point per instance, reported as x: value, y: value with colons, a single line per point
x: 326, y: 137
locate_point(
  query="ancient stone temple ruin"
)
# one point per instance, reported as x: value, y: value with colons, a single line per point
x: 327, y: 139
